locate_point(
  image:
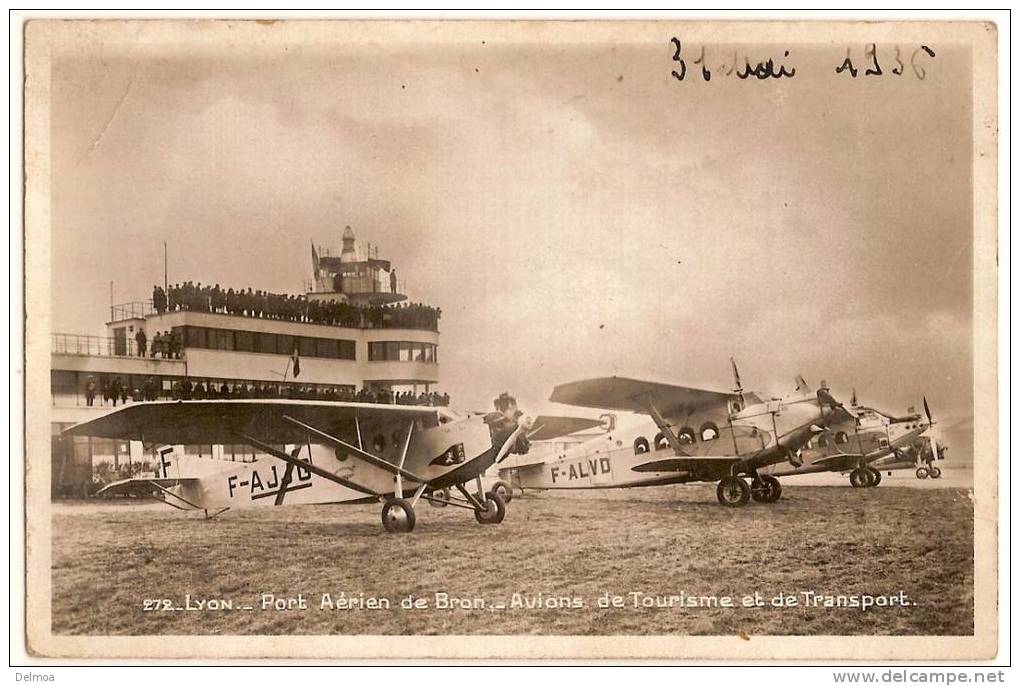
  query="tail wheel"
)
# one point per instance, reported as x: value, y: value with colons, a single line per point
x: 398, y: 516
x: 440, y: 498
x: 935, y: 472
x: 505, y: 491
x: 876, y: 476
x: 860, y: 478
x: 733, y: 491
x: 921, y: 473
x: 766, y: 489
x: 495, y: 509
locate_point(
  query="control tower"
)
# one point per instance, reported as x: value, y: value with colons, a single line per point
x: 357, y: 277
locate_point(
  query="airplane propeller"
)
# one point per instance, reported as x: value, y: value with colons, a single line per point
x: 934, y: 442
x: 738, y: 388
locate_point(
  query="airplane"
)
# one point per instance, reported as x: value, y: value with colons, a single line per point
x: 341, y: 452
x: 854, y: 444
x: 920, y: 454
x: 737, y: 435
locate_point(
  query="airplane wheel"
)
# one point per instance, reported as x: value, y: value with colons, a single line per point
x: 766, y: 489
x: 876, y: 476
x: 398, y: 516
x: 733, y: 491
x: 505, y: 491
x: 861, y: 478
x: 495, y: 509
x: 440, y: 498
x: 935, y: 473
x: 921, y: 473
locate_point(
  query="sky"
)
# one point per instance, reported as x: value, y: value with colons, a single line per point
x: 574, y: 209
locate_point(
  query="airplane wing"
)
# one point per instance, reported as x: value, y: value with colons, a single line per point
x: 632, y: 395
x: 549, y: 427
x: 206, y: 422
x: 838, y: 462
x: 787, y: 444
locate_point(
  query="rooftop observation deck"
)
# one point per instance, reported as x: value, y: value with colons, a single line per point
x: 296, y: 309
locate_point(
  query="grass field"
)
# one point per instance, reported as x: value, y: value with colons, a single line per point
x: 109, y: 558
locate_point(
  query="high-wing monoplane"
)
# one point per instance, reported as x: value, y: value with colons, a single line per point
x: 694, y: 435
x: 320, y: 452
x: 855, y: 444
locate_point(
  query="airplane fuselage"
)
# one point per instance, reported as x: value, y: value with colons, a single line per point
x: 453, y: 451
x: 639, y: 455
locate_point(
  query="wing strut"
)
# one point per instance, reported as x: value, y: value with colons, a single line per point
x: 664, y: 427
x: 399, y: 489
x: 318, y: 471
x: 357, y: 452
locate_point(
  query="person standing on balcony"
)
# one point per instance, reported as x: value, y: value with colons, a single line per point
x: 90, y: 391
x: 140, y: 340
x: 115, y: 390
x: 159, y: 299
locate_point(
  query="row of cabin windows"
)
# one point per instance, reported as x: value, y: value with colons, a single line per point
x: 273, y: 343
x: 709, y: 432
x: 402, y: 351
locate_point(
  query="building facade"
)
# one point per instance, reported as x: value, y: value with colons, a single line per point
x: 347, y: 344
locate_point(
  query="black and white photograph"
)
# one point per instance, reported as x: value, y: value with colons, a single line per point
x: 511, y: 339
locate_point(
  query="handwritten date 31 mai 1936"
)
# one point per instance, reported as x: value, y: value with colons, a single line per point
x: 898, y: 61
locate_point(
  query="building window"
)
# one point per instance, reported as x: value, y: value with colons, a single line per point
x: 306, y: 346
x: 244, y: 341
x: 194, y: 337
x: 640, y: 445
x: 709, y: 431
x: 266, y: 343
x: 224, y: 339
x: 284, y: 344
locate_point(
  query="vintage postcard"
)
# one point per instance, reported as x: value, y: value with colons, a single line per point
x: 511, y: 340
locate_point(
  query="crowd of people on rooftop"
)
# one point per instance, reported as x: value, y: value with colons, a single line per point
x: 115, y: 390
x: 263, y: 304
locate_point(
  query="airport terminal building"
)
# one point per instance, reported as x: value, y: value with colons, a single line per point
x: 352, y: 335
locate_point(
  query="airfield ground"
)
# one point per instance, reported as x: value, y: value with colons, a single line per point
x: 110, y: 559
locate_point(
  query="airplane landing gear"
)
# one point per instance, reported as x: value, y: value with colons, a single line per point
x: 934, y: 472
x: 876, y: 476
x: 495, y: 509
x: 733, y: 491
x: 921, y: 473
x: 504, y: 490
x: 397, y: 516
x: 861, y: 478
x: 766, y: 489
x: 440, y: 498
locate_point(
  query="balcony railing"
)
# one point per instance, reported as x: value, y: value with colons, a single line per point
x: 74, y: 344
x: 137, y: 309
